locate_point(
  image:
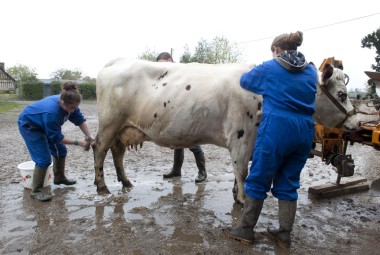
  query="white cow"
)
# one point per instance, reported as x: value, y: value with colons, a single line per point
x: 177, y: 106
x: 181, y: 105
x: 332, y: 106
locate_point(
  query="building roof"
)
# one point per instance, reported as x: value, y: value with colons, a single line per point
x: 5, y: 76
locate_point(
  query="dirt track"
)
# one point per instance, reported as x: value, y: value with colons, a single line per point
x: 177, y: 216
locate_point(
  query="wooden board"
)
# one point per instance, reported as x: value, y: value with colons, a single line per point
x: 347, y: 186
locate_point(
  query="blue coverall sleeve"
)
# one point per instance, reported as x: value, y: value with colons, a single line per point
x: 77, y: 117
x: 254, y: 80
x: 52, y: 128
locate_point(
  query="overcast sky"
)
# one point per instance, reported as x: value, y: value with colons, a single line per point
x: 78, y: 34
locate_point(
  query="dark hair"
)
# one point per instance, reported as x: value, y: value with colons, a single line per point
x: 70, y: 93
x: 288, y: 41
x: 164, y: 56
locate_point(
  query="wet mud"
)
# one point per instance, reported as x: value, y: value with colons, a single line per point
x: 172, y: 216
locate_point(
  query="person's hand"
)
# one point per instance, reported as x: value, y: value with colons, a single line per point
x: 90, y: 138
x: 82, y: 143
x: 85, y: 143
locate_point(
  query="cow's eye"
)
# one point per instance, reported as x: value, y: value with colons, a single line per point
x: 342, y: 95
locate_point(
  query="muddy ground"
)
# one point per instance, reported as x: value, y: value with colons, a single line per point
x: 175, y: 216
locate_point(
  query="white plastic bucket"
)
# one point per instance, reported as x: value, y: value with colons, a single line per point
x: 26, y: 171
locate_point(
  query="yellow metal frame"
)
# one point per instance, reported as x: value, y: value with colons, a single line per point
x: 374, y: 137
x: 331, y: 140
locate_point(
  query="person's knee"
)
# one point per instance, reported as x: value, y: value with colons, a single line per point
x: 43, y: 163
x: 58, y: 151
x: 288, y: 195
x: 255, y: 193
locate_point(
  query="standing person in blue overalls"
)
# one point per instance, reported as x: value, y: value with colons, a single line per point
x: 284, y: 139
x: 179, y: 153
x: 40, y: 126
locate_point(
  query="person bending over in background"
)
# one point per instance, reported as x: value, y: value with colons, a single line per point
x: 179, y: 153
x: 40, y: 125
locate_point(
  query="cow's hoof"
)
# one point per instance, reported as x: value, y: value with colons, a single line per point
x: 127, y: 184
x: 103, y: 190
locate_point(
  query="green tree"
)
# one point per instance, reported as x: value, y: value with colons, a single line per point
x: 23, y: 73
x: 149, y: 55
x: 186, y: 56
x: 66, y: 74
x: 219, y: 51
x: 373, y: 41
x: 89, y: 79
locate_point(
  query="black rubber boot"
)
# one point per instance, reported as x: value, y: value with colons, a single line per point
x: 201, y: 164
x: 38, y: 184
x: 59, y: 172
x: 177, y: 165
x: 286, y: 215
x: 244, y: 232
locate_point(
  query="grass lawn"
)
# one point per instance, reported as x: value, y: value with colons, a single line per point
x: 6, y: 103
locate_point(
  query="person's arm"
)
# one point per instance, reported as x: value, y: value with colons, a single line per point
x: 73, y: 141
x: 86, y: 131
x: 79, y: 120
x: 255, y: 80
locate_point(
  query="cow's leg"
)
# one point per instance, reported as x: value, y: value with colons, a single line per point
x: 240, y: 154
x: 104, y: 140
x: 99, y: 157
x: 235, y: 190
x: 240, y: 175
x: 118, y: 151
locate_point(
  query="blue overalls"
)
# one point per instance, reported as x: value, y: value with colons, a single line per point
x: 285, y: 134
x: 40, y: 126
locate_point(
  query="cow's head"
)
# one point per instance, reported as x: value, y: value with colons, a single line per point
x: 333, y: 108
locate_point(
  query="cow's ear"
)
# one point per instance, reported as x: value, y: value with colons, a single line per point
x: 327, y: 72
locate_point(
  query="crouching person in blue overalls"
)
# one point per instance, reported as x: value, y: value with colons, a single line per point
x: 40, y: 125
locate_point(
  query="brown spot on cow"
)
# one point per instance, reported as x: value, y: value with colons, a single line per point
x: 188, y: 87
x: 164, y: 84
x: 155, y: 115
x: 164, y: 104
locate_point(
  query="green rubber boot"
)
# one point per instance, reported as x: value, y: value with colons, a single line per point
x: 286, y: 215
x: 177, y: 165
x: 38, y: 184
x: 244, y: 232
x: 59, y: 172
x: 201, y: 164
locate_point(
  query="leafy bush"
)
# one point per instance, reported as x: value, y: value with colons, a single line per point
x: 56, y: 87
x: 35, y: 90
x: 31, y: 90
x: 88, y: 90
